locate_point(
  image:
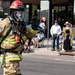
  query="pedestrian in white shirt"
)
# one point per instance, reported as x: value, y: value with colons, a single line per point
x: 55, y: 32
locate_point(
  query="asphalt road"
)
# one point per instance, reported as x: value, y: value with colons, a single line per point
x: 34, y: 64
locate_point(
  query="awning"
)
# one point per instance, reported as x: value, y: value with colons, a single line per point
x: 37, y: 2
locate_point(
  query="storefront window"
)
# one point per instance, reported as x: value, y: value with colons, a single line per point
x: 56, y: 9
x: 0, y: 4
x: 6, y: 5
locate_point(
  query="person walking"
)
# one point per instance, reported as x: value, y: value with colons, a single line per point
x: 12, y: 32
x: 55, y: 32
x: 11, y: 29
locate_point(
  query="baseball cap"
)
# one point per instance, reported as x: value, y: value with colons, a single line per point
x: 56, y: 21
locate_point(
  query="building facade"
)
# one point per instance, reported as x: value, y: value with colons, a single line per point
x: 59, y: 9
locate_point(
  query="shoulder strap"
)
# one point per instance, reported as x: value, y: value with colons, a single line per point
x: 6, y: 35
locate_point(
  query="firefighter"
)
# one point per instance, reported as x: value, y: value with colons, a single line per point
x: 12, y: 31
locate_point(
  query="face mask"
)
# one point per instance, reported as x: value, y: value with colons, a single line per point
x: 19, y: 15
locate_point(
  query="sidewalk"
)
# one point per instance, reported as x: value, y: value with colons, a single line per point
x: 43, y: 50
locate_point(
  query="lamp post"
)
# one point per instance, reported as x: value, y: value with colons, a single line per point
x: 46, y: 11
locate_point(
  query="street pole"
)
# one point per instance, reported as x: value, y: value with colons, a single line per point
x: 45, y: 11
x: 48, y: 29
x: 49, y: 22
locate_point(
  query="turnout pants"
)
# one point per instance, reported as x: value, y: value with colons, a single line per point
x: 12, y: 68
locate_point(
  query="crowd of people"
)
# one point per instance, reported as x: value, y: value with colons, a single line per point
x: 67, y: 34
x: 55, y: 31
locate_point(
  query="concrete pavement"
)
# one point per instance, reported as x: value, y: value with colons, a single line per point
x: 43, y: 50
x: 46, y: 50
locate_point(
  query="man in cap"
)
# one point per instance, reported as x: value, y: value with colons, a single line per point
x: 55, y: 32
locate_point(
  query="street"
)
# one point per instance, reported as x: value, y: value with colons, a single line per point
x: 34, y: 64
x: 48, y: 65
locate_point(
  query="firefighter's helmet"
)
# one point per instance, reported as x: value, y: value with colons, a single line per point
x: 17, y: 5
x: 17, y: 10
